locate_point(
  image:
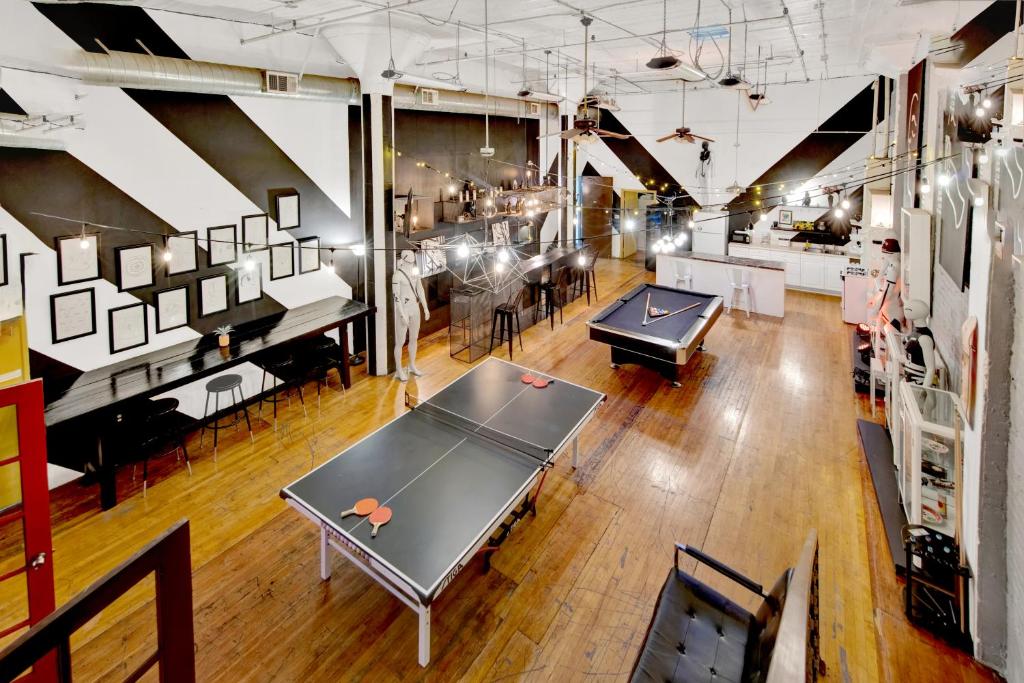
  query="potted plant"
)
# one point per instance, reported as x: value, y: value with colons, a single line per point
x: 223, y: 335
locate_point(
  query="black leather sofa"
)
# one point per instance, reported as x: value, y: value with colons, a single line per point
x: 698, y: 634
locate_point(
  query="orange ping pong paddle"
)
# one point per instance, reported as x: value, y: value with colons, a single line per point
x: 378, y: 518
x: 362, y: 507
x: 528, y: 378
x: 540, y: 383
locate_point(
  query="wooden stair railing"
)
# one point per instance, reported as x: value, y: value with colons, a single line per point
x: 169, y: 558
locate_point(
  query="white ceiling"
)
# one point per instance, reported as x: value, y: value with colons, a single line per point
x: 802, y: 39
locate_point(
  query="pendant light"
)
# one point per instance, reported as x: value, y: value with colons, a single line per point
x: 663, y: 59
x: 390, y: 73
x: 736, y: 188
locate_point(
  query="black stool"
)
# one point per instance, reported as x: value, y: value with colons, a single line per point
x: 145, y: 426
x: 553, y: 294
x: 325, y: 354
x: 229, y: 383
x: 584, y: 274
x: 508, y: 313
x: 283, y: 376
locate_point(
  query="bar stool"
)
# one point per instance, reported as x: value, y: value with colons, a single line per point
x: 584, y: 273
x: 553, y: 294
x: 142, y: 428
x: 739, y: 281
x: 284, y: 377
x: 508, y: 313
x: 683, y: 274
x: 229, y: 383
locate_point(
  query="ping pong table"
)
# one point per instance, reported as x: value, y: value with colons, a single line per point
x: 457, y: 470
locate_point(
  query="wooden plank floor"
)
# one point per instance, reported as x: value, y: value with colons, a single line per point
x: 758, y: 446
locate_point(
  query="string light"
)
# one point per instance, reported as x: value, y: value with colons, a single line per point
x: 582, y: 260
x: 845, y: 204
x: 925, y: 187
x: 630, y: 224
x: 359, y: 249
x: 691, y: 224
x: 986, y: 103
x: 249, y: 263
x: 763, y: 216
x: 838, y: 213
x: 83, y: 241
x: 167, y: 255
x: 944, y: 179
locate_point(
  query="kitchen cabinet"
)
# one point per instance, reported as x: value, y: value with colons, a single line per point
x: 835, y: 266
x: 804, y: 269
x: 812, y: 271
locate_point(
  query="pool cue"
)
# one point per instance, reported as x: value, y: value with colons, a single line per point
x: 681, y: 310
x: 647, y: 308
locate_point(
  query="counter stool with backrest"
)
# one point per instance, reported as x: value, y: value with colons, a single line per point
x: 283, y: 378
x: 508, y: 314
x: 230, y: 384
x: 144, y: 427
x: 739, y: 281
x: 683, y: 274
x: 584, y: 273
x: 553, y: 293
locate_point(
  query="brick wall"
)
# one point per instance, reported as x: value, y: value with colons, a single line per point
x: 1015, y: 497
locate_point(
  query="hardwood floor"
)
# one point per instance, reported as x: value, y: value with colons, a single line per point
x: 758, y: 446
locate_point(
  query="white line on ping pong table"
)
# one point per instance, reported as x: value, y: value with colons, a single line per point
x: 443, y: 456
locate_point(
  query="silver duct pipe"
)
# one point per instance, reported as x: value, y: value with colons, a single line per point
x: 454, y: 102
x: 146, y: 72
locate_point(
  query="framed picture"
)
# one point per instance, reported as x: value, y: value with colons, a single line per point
x: 128, y: 327
x: 309, y: 254
x: 249, y: 284
x: 785, y: 217
x: 134, y: 266
x: 432, y: 257
x: 3, y: 260
x: 282, y: 261
x: 171, y: 308
x: 78, y: 259
x: 184, y: 251
x: 287, y: 210
x: 254, y: 232
x: 213, y: 295
x: 72, y: 314
x: 221, y: 245
x: 500, y: 233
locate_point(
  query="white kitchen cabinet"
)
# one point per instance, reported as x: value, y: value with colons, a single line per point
x: 792, y: 261
x: 740, y: 250
x: 834, y: 268
x: 812, y: 271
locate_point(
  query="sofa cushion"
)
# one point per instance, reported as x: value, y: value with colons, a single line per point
x: 697, y: 634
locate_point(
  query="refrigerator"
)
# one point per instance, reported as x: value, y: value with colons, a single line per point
x: 711, y: 233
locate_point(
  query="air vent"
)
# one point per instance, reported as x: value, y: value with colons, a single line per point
x: 534, y: 108
x: 429, y: 97
x: 279, y: 82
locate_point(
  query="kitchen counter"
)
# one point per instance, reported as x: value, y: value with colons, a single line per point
x: 806, y: 268
x: 733, y: 260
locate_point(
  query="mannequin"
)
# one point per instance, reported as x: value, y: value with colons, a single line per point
x: 884, y: 305
x: 408, y: 297
x: 919, y: 343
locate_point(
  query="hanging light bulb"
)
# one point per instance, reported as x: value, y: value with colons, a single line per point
x: 669, y: 246
x: 763, y: 216
x: 332, y: 257
x: 167, y: 255
x: 845, y: 204
x: 838, y: 213
x: 656, y: 247
x: 986, y: 103
x: 679, y: 239
x: 944, y: 179
x: 630, y: 224
x: 451, y: 190
x: 249, y: 263
x: 359, y: 249
x: 691, y: 224
x: 499, y: 267
x: 582, y: 260
x: 503, y: 255
x: 83, y: 241
x: 462, y: 250
x: 979, y: 112
x: 925, y: 187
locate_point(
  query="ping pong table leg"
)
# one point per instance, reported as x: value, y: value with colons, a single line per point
x: 325, y: 558
x: 575, y: 451
x: 424, y: 653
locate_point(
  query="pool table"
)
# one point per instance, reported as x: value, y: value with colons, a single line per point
x: 664, y: 344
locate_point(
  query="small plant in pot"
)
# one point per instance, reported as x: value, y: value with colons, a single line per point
x: 223, y: 335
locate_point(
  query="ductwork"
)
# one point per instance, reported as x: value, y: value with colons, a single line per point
x: 406, y: 97
x: 147, y: 72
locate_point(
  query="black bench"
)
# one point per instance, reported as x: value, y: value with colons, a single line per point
x: 698, y: 634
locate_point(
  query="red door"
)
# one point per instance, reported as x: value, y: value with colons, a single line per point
x: 26, y: 567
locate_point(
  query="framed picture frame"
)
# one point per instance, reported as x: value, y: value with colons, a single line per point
x: 309, y: 254
x: 213, y: 295
x: 171, y: 307
x: 431, y: 256
x: 254, y: 232
x: 184, y: 251
x: 282, y: 261
x: 249, y: 284
x: 72, y: 315
x: 286, y: 210
x: 128, y: 327
x: 221, y: 245
x: 74, y: 263
x: 785, y: 217
x: 134, y: 267
x: 4, y: 277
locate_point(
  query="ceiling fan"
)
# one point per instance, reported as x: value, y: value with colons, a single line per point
x: 585, y: 129
x: 683, y: 133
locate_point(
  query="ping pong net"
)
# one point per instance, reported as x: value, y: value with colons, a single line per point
x: 539, y: 454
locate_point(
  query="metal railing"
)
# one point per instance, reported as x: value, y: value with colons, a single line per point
x: 169, y: 558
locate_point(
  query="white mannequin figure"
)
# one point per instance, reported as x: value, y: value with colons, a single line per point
x: 884, y: 306
x: 919, y: 343
x: 408, y: 297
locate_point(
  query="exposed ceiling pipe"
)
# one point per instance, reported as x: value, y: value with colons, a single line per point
x: 132, y: 70
x: 316, y: 26
x: 796, y: 43
x: 824, y: 47
x: 455, y: 102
